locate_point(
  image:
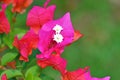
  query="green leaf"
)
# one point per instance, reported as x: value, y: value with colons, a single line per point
x: 33, y: 73
x: 45, y: 77
x: 32, y: 59
x: 8, y: 58
x: 37, y: 78
x: 8, y: 39
x: 34, y: 70
x: 1, y: 71
x: 30, y: 63
x: 31, y: 77
x: 12, y: 73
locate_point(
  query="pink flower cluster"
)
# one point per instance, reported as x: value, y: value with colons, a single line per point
x: 51, y: 37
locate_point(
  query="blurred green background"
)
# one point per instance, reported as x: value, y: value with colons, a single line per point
x: 99, y: 48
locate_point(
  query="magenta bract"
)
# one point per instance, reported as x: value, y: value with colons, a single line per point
x: 55, y: 35
x: 39, y: 16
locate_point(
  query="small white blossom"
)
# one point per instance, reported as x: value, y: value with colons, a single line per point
x: 58, y: 38
x: 57, y: 28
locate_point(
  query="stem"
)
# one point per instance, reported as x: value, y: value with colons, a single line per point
x: 3, y: 49
x: 13, y: 21
x: 19, y: 66
x: 1, y: 40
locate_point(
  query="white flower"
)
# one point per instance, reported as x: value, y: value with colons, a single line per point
x: 58, y: 38
x: 57, y: 28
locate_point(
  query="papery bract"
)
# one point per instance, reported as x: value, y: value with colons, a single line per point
x: 75, y: 75
x: 77, y: 35
x: 4, y: 24
x: 19, y: 6
x: 47, y: 43
x: 25, y: 45
x: 39, y: 16
x: 4, y: 77
x: 54, y: 61
x: 81, y: 74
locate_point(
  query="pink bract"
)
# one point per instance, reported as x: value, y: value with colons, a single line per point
x: 46, y: 43
x: 81, y: 74
x: 25, y: 45
x: 4, y: 24
x: 54, y: 61
x: 4, y: 77
x: 39, y: 16
x: 105, y: 78
x: 75, y: 75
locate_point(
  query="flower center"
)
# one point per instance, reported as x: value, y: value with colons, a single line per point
x: 57, y: 28
x: 57, y: 36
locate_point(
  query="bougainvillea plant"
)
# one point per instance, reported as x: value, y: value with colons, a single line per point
x: 24, y: 57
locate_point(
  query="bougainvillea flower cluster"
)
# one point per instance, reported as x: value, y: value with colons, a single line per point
x: 55, y: 42
x: 58, y: 34
x: 64, y: 33
x: 4, y: 24
x: 50, y: 36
